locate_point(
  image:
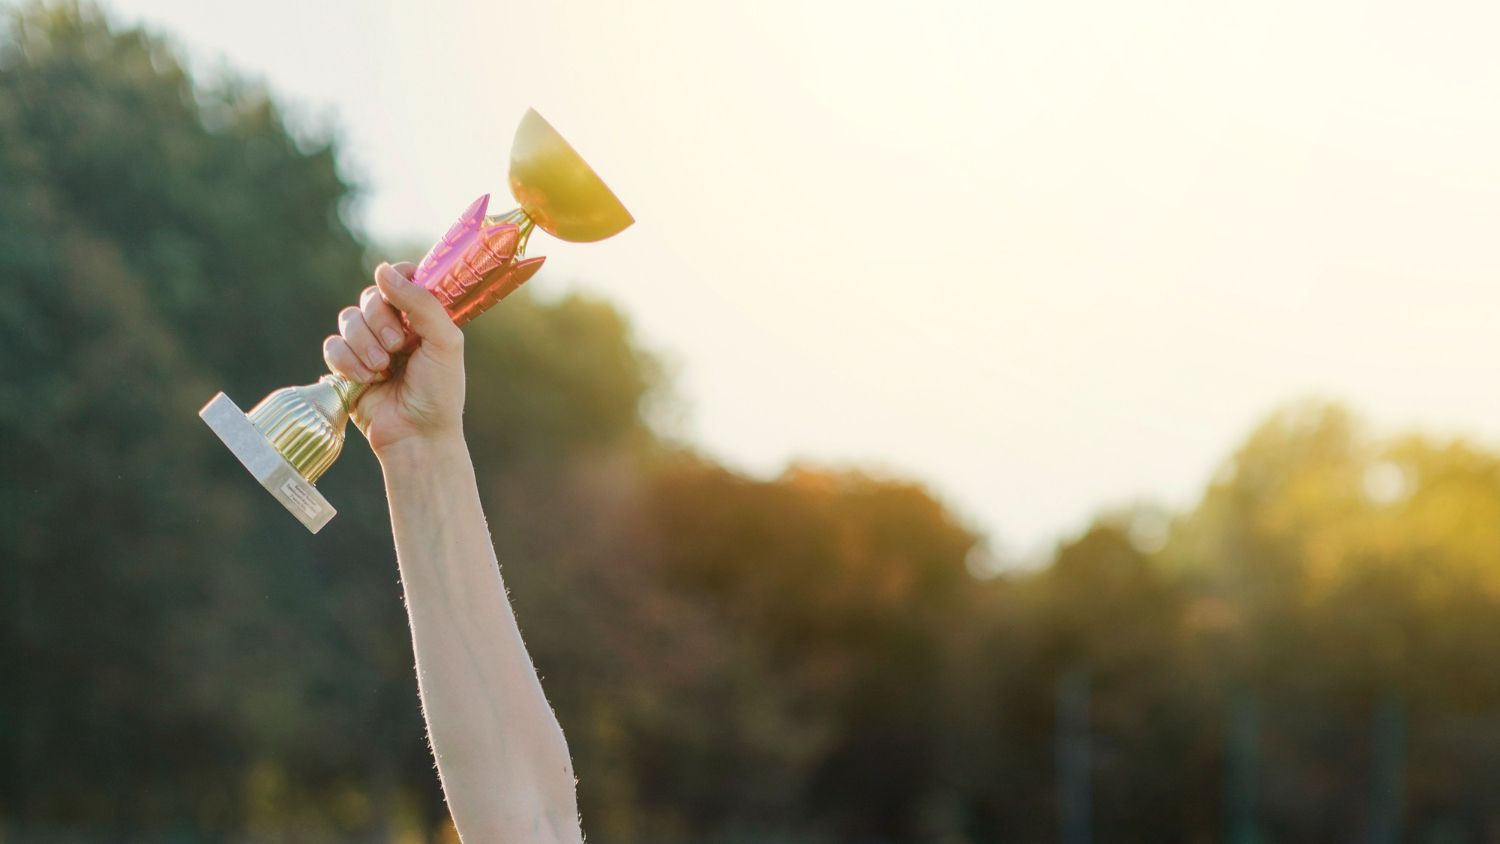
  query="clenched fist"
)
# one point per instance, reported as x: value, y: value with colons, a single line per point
x: 414, y: 370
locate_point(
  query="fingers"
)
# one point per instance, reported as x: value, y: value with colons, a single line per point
x: 341, y: 359
x: 357, y: 334
x: 422, y: 309
x: 383, y: 320
x: 371, y: 332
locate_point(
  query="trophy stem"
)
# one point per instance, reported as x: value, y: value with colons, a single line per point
x: 518, y: 218
x: 349, y: 391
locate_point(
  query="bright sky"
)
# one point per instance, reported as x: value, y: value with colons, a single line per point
x: 1045, y: 257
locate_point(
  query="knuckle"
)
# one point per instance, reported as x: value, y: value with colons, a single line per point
x: 377, y: 314
x: 349, y: 315
x: 336, y: 355
x: 370, y: 301
x: 345, y: 363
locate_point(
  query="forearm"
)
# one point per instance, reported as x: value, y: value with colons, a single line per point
x: 500, y: 752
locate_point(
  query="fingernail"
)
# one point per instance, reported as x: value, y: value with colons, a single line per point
x: 378, y: 358
x: 390, y: 274
x: 392, y: 338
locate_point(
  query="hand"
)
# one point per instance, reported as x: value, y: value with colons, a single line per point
x: 412, y: 398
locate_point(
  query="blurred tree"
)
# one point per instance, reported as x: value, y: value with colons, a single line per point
x: 853, y: 591
x: 178, y: 656
x: 1345, y: 578
x: 137, y: 242
x: 1119, y: 622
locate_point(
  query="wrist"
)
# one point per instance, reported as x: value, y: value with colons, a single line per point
x: 423, y: 451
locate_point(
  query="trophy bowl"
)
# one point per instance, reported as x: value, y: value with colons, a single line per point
x: 292, y: 436
x: 557, y: 189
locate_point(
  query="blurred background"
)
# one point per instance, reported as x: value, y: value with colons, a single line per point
x: 1059, y: 422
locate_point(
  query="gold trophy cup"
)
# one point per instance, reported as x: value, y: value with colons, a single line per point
x: 292, y: 436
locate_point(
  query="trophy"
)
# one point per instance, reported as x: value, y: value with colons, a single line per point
x: 291, y: 438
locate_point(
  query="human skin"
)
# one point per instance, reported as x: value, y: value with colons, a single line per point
x: 500, y: 752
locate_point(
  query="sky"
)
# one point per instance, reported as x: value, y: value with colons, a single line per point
x: 1043, y: 257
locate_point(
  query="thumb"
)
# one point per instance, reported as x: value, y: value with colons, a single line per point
x: 423, y: 311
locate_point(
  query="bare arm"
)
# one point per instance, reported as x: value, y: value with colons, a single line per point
x: 500, y: 753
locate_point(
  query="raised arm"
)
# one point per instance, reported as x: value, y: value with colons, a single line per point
x: 500, y: 753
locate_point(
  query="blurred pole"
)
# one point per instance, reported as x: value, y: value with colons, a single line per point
x: 1388, y: 774
x: 1242, y: 725
x: 19, y: 730
x: 1073, y: 755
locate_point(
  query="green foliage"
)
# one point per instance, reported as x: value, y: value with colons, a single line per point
x: 849, y: 587
x: 115, y: 247
x: 1342, y: 576
x: 553, y: 378
x: 177, y: 656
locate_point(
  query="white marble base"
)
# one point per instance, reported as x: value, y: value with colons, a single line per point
x: 266, y: 464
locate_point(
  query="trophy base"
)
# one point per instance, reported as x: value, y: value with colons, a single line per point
x: 235, y: 429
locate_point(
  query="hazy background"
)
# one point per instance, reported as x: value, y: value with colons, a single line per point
x: 916, y: 236
x: 1006, y: 271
